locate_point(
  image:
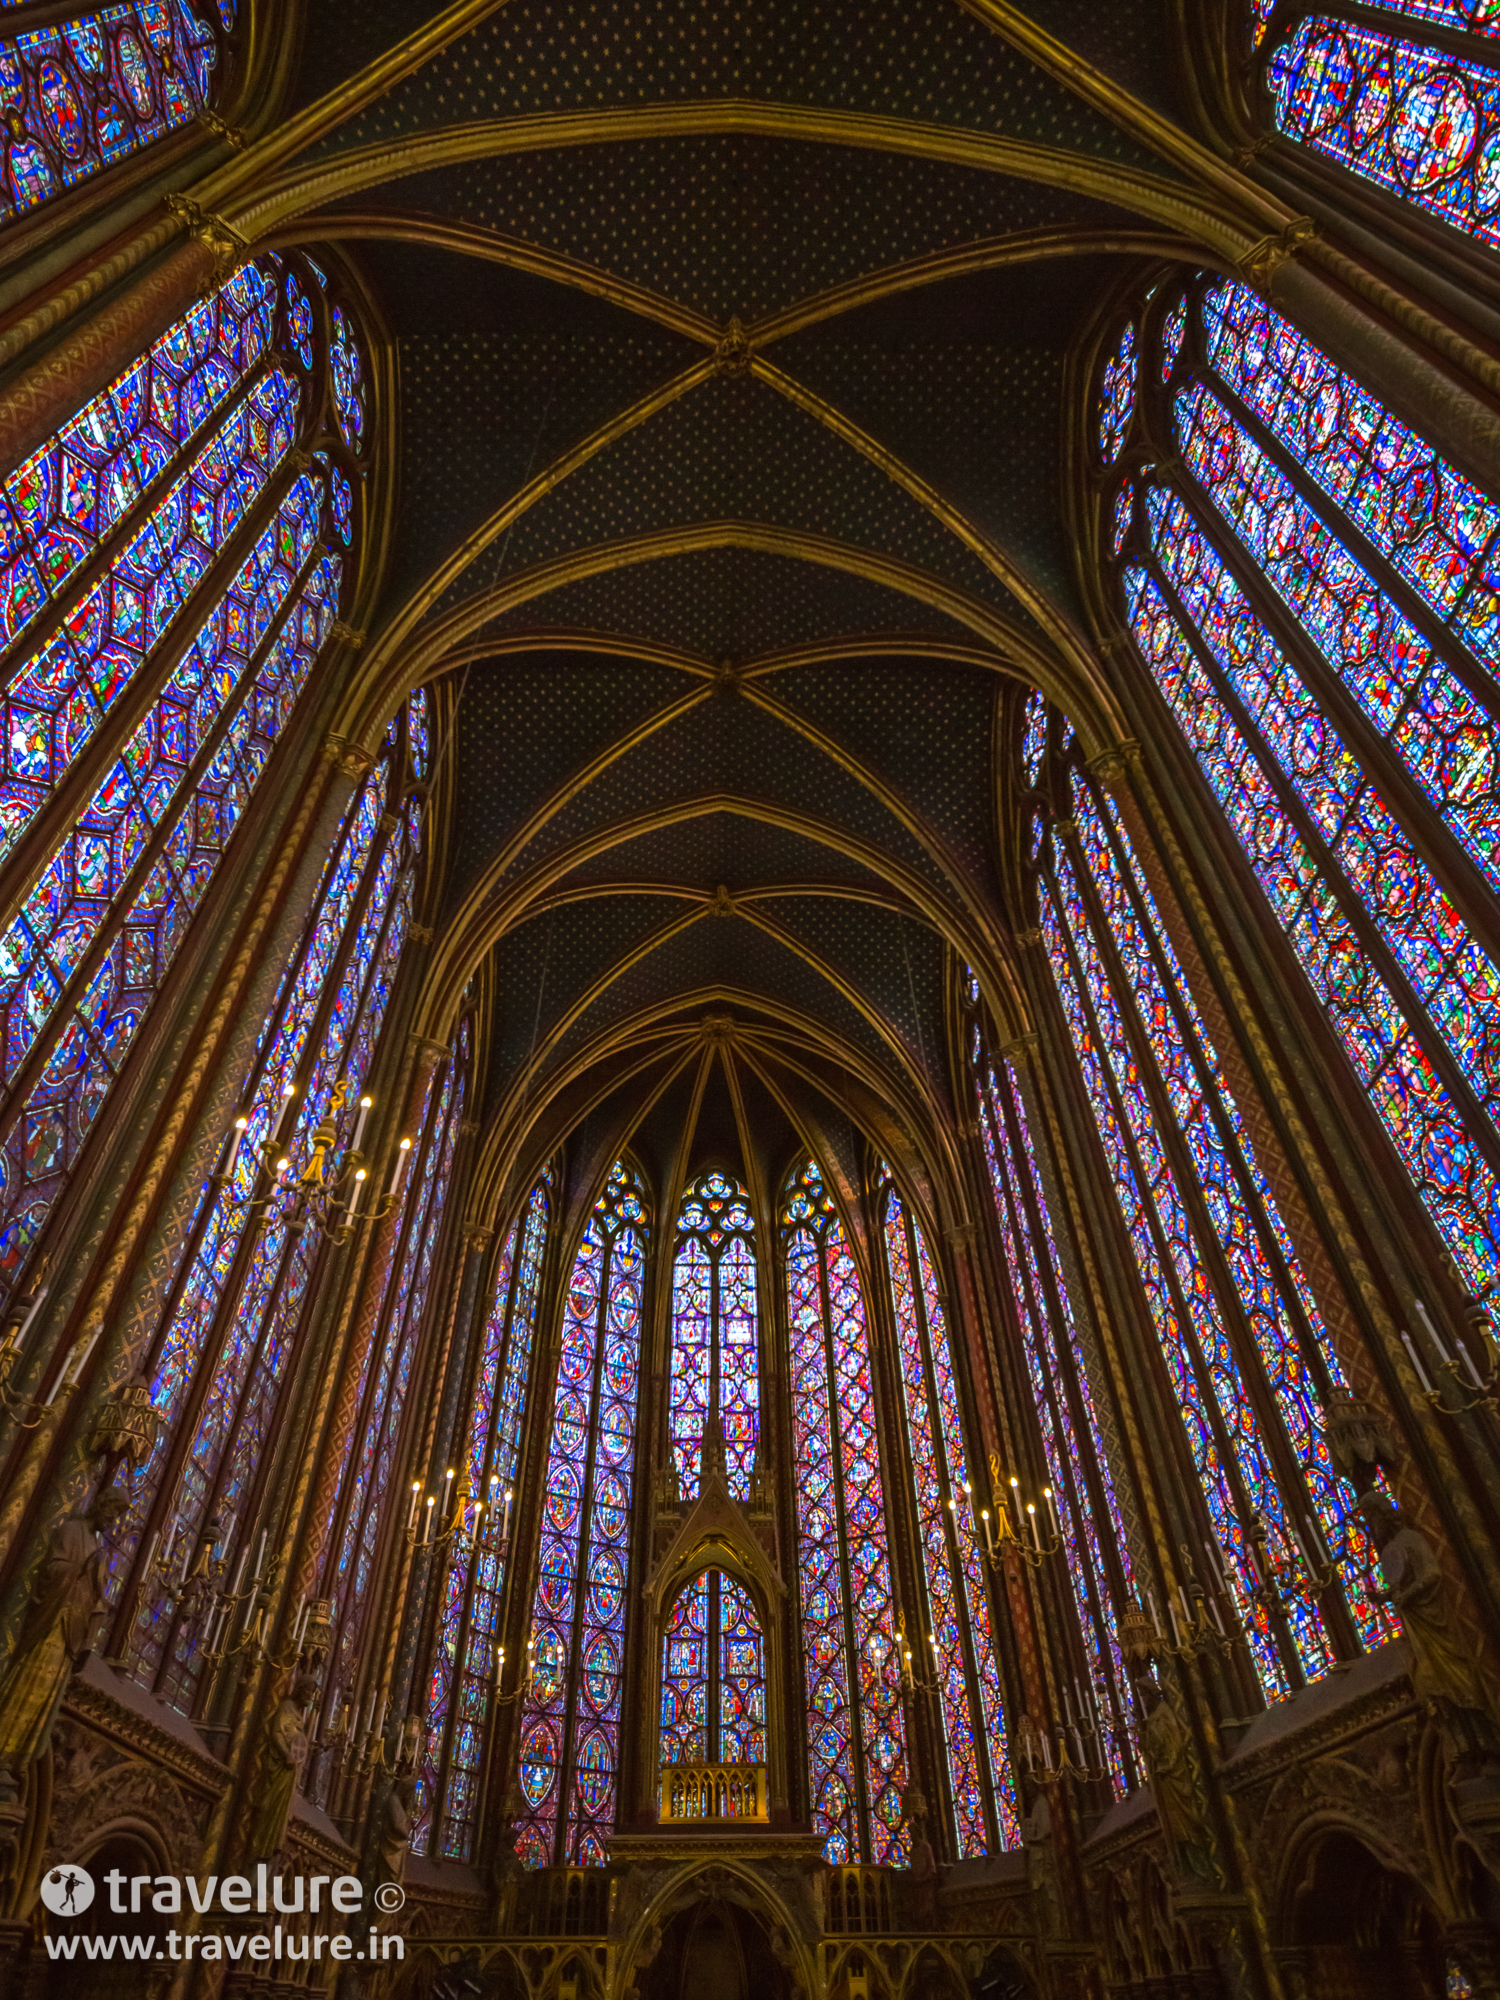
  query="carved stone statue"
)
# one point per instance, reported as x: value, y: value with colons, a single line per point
x: 1169, y: 1759
x: 1442, y: 1668
x: 56, y: 1633
x: 283, y: 1758
x: 1041, y: 1868
x: 393, y: 1841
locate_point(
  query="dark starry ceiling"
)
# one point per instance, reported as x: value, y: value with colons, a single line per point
x: 725, y: 744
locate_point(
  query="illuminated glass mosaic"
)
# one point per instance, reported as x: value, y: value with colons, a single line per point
x: 1415, y: 119
x: 959, y: 1649
x: 713, y: 1675
x: 113, y: 539
x: 570, y: 1720
x: 466, y: 1658
x: 79, y: 95
x: 856, y: 1745
x: 1117, y: 396
x: 715, y: 1381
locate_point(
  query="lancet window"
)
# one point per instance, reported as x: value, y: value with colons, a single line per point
x: 715, y: 1334
x: 851, y: 1649
x: 956, y: 1656
x: 1099, y: 1567
x: 367, y: 1504
x: 1405, y: 94
x: 228, y: 1337
x: 1243, y: 1342
x: 77, y: 95
x: 713, y: 1675
x: 171, y: 564
x: 1311, y: 590
x: 570, y: 1724
x: 467, y: 1658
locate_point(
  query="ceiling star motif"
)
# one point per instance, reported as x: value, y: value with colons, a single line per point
x: 735, y: 393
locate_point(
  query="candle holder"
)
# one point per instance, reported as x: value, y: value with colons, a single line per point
x: 1002, y: 1544
x: 434, y: 1525
x: 24, y: 1411
x: 523, y: 1687
x: 329, y: 1197
x: 1073, y: 1761
x: 913, y: 1680
x: 253, y: 1641
x: 1475, y: 1391
x: 1193, y: 1617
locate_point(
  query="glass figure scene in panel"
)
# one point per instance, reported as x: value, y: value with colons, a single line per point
x: 715, y: 1378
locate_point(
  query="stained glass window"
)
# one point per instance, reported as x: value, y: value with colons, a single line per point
x: 467, y: 1658
x: 715, y: 1334
x: 181, y: 541
x: 1241, y: 1336
x: 1099, y: 1566
x: 1410, y: 115
x: 856, y: 1725
x: 570, y: 1723
x: 1117, y: 395
x: 230, y: 1322
x: 713, y: 1675
x: 1314, y: 593
x: 957, y: 1652
x: 80, y: 94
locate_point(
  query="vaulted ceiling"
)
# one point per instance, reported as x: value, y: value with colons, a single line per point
x: 735, y: 401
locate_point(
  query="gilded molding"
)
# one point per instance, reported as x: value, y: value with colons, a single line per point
x: 227, y: 248
x: 350, y: 756
x: 1260, y: 263
x: 347, y: 635
x: 1114, y: 766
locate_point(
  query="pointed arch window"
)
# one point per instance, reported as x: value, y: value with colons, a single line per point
x: 1405, y: 95
x: 78, y: 95
x: 1099, y: 1566
x: 1244, y: 1344
x: 464, y: 1670
x: 229, y: 1328
x: 856, y: 1723
x: 960, y: 1644
x: 570, y: 1725
x: 713, y: 1675
x: 1313, y: 595
x: 715, y: 1334
x: 171, y: 565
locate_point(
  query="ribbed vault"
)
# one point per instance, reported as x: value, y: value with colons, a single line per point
x: 741, y: 357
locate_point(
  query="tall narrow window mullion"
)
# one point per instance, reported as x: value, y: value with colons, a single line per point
x: 1447, y: 1159
x: 570, y: 1722
x: 1228, y: 1455
x: 211, y: 1326
x: 1437, y: 972
x: 1369, y: 708
x: 857, y: 1764
x: 968, y: 1673
x: 1070, y: 1428
x: 464, y: 1671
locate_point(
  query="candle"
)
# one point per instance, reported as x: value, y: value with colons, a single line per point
x: 359, y: 1184
x: 505, y: 1524
x: 1416, y: 1362
x: 1213, y: 1606
x: 288, y: 1092
x: 1155, y: 1620
x: 152, y: 1551
x: 250, y: 1605
x: 1068, y: 1704
x: 239, y: 1573
x: 1432, y: 1334
x: 32, y: 1311
x: 1215, y: 1567
x: 427, y: 1533
x: 989, y: 1532
x: 1036, y: 1533
x: 238, y: 1129
x: 359, y: 1123
x: 281, y: 1166
x: 403, y: 1153
x: 1473, y: 1371
x: 1052, y: 1503
x: 297, y: 1622
x: 166, y: 1554
x: 1172, y: 1614
x: 416, y: 1488
x: 500, y: 1667
x: 1319, y: 1539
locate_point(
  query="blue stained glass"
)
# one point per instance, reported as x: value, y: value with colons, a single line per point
x: 79, y: 96
x: 1449, y: 972
x: 1451, y: 1175
x: 570, y: 1721
x: 1117, y: 396
x: 715, y: 1334
x: 1034, y: 746
x: 1418, y: 121
x: 468, y: 1637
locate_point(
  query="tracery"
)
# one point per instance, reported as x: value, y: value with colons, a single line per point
x: 1311, y: 596
x: 174, y: 563
x: 570, y: 1722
